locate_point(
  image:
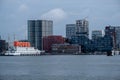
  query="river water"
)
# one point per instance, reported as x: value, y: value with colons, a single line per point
x: 60, y: 67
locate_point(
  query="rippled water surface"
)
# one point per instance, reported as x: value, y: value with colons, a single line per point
x: 60, y: 67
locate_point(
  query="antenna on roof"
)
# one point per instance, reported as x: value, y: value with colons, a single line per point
x: 14, y: 37
x: 8, y: 41
x: 85, y: 18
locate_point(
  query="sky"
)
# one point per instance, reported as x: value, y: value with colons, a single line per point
x: 15, y: 13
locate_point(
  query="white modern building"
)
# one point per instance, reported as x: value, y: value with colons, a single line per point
x: 82, y: 28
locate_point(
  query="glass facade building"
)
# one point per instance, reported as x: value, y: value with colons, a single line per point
x: 96, y: 34
x: 70, y: 30
x: 102, y: 44
x: 114, y: 32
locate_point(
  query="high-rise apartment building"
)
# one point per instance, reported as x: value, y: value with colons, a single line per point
x: 82, y: 28
x: 37, y: 29
x: 70, y: 30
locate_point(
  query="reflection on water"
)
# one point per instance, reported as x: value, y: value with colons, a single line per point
x: 60, y: 67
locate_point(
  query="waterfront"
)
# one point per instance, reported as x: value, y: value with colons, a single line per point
x: 60, y: 67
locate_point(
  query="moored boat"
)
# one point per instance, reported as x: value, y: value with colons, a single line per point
x: 22, y: 49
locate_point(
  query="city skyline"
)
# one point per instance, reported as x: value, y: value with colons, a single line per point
x: 15, y: 13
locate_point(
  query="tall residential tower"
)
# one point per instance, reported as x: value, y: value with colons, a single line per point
x: 37, y: 29
x: 82, y: 28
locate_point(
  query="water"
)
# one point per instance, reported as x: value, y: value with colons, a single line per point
x: 60, y: 67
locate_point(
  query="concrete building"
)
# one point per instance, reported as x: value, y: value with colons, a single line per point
x: 37, y: 29
x: 96, y: 34
x: 82, y: 28
x: 70, y: 30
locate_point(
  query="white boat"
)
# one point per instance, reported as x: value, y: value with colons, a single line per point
x: 22, y: 48
x: 18, y: 51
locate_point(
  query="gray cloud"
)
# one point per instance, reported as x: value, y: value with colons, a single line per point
x: 23, y: 8
x: 56, y: 14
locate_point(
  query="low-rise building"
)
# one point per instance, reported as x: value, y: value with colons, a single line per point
x: 85, y: 42
x: 101, y: 44
x: 66, y: 49
x: 48, y: 41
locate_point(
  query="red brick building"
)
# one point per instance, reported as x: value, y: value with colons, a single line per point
x: 48, y: 41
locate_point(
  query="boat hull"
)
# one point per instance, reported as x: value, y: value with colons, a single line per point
x: 23, y: 51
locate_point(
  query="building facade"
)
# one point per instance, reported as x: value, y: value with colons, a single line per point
x: 70, y: 30
x: 82, y: 28
x: 48, y: 41
x: 85, y: 43
x: 96, y: 34
x: 103, y: 44
x: 37, y: 29
x: 114, y: 32
x: 66, y: 49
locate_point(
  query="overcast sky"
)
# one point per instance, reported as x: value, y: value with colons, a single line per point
x: 15, y: 13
